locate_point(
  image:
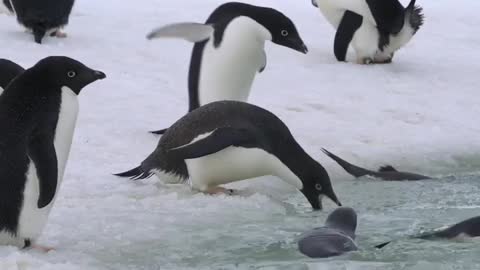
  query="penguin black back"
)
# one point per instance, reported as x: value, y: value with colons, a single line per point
x: 8, y: 71
x: 42, y: 16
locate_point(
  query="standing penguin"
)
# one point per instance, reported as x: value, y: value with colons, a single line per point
x: 45, y: 17
x: 228, y: 141
x: 8, y: 71
x: 230, y: 49
x: 376, y: 29
x: 38, y: 111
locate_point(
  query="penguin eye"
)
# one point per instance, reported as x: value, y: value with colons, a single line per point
x: 284, y: 33
x: 318, y: 187
x: 71, y: 74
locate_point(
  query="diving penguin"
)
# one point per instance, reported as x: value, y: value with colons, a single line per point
x: 228, y: 141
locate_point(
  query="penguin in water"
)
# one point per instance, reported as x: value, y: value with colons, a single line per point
x: 376, y: 29
x: 230, y: 49
x: 228, y: 141
x: 335, y: 238
x: 469, y: 228
x: 38, y: 111
x: 8, y: 71
x: 45, y: 17
x: 388, y: 173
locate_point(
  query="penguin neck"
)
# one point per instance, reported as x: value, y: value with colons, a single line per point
x: 304, y: 167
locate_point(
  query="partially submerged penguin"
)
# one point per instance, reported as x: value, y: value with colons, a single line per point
x: 376, y: 29
x: 228, y: 141
x: 388, y: 172
x: 45, y: 17
x: 38, y: 112
x: 469, y: 228
x: 8, y: 71
x: 335, y: 238
x: 229, y: 50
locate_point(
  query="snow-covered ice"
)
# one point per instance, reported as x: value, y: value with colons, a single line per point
x: 419, y: 113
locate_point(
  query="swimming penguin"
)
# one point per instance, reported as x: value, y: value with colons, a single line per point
x: 388, y: 172
x: 230, y: 49
x: 228, y: 141
x: 8, y: 71
x: 376, y: 29
x: 469, y: 228
x: 335, y: 238
x: 45, y: 17
x: 38, y: 111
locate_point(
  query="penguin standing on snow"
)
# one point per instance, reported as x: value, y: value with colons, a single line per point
x: 230, y: 49
x: 8, y: 71
x: 376, y: 29
x: 228, y: 141
x: 38, y: 111
x: 45, y: 17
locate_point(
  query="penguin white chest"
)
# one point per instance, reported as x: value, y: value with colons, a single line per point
x: 331, y: 13
x: 32, y: 219
x: 234, y: 164
x: 227, y: 72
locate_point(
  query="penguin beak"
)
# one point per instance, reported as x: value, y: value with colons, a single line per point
x: 300, y: 46
x: 99, y: 75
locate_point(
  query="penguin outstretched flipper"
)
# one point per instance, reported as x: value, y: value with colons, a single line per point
x: 218, y: 140
x: 349, y: 24
x: 193, y: 32
x: 159, y: 132
x: 42, y: 152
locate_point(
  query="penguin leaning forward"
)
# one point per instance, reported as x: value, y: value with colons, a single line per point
x: 376, y: 29
x: 228, y: 141
x: 229, y: 50
x: 38, y: 112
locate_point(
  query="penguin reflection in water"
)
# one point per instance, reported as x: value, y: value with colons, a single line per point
x: 229, y: 50
x: 376, y: 29
x: 38, y: 112
x: 228, y: 141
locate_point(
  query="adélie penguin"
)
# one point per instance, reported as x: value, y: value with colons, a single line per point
x: 469, y: 228
x: 45, y: 17
x: 335, y: 238
x: 229, y: 50
x: 376, y: 29
x: 38, y: 112
x: 228, y: 141
x: 8, y: 71
x: 388, y: 172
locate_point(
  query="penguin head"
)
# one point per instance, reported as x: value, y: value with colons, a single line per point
x: 64, y: 71
x: 344, y: 219
x: 283, y: 31
x: 316, y: 185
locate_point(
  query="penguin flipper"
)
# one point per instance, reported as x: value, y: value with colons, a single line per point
x: 218, y: 140
x: 346, y: 29
x: 264, y: 62
x: 193, y: 32
x: 42, y: 152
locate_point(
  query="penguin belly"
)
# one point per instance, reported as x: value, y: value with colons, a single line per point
x: 332, y: 14
x: 32, y: 220
x: 234, y: 164
x: 227, y: 72
x: 365, y: 41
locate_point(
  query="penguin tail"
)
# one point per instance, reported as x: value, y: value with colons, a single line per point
x: 414, y: 15
x: 159, y: 132
x: 350, y: 168
x: 136, y: 174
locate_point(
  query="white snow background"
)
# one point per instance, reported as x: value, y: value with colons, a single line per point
x: 419, y: 113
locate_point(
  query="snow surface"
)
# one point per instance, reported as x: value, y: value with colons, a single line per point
x: 419, y: 113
